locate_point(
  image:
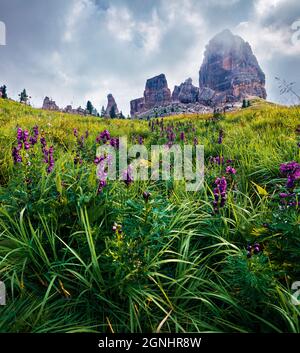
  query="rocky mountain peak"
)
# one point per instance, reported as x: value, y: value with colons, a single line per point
x: 157, y: 92
x: 186, y: 92
x: 229, y: 73
x: 111, y: 102
x: 230, y: 66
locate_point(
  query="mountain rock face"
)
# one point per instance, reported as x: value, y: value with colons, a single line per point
x: 186, y: 92
x: 156, y: 92
x: 110, y: 104
x: 80, y: 111
x: 137, y: 105
x: 49, y: 104
x: 206, y: 95
x: 229, y: 73
x: 230, y: 67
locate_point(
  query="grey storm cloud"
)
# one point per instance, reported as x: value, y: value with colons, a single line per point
x: 75, y: 50
x: 282, y: 15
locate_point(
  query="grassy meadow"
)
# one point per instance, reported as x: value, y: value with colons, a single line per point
x: 148, y: 256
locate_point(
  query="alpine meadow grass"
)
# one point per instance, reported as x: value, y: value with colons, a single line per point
x: 79, y: 254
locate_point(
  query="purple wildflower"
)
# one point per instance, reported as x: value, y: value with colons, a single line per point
x: 25, y: 135
x: 22, y: 135
x: 101, y: 186
x: 254, y: 249
x: 230, y: 170
x: 36, y: 131
x: 102, y: 163
x: 217, y: 160
x: 292, y: 171
x: 105, y: 136
x: 77, y: 160
x: 19, y: 134
x: 97, y: 160
x: 221, y: 136
x: 43, y: 142
x: 127, y: 176
x: 146, y: 196
x: 290, y: 167
x: 220, y: 193
x: 75, y: 132
x: 284, y: 195
x: 22, y: 141
x: 257, y: 248
x: 33, y: 140
x: 81, y: 141
x: 16, y: 156
x: 171, y: 136
x: 114, y: 142
x: 48, y: 154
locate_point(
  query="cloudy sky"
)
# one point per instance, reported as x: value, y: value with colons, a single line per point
x: 74, y: 50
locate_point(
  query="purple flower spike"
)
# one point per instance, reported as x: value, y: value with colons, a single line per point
x: 220, y: 193
x: 33, y: 140
x: 43, y: 142
x: 19, y: 134
x: 127, y: 176
x: 146, y: 196
x: 230, y: 170
x: 35, y: 130
x: 221, y: 136
x: 292, y: 171
x: 25, y: 135
x: 16, y: 156
x: 256, y: 250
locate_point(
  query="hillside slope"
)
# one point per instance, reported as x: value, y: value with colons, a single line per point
x: 80, y: 253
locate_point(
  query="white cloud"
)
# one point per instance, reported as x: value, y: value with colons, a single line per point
x: 120, y: 23
x: 79, y: 12
x: 268, y: 41
x: 263, y: 7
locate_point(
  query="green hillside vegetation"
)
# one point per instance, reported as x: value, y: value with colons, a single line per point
x: 148, y: 256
